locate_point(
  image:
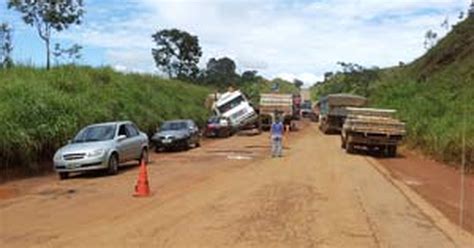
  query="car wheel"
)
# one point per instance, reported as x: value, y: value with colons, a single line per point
x: 198, y: 144
x: 144, y: 156
x: 63, y: 175
x: 113, y: 164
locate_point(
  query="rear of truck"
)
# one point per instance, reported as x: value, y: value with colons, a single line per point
x: 275, y: 103
x: 374, y: 129
x: 333, y: 110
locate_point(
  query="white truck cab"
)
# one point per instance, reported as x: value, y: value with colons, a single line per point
x: 235, y: 106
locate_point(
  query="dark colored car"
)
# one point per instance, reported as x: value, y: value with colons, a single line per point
x: 176, y: 134
x: 218, y: 127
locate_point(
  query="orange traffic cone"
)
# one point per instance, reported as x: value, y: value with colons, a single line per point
x: 142, y: 188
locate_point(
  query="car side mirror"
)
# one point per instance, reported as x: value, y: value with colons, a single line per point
x: 121, y: 137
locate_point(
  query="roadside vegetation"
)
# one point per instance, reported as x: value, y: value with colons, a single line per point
x: 434, y: 94
x: 40, y: 110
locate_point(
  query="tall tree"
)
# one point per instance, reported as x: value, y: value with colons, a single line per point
x: 298, y: 83
x: 6, y: 46
x: 177, y: 53
x: 221, y: 71
x: 249, y: 76
x: 430, y: 39
x: 358, y: 78
x: 48, y: 16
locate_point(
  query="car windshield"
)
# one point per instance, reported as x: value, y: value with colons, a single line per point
x: 231, y: 104
x: 174, y: 126
x: 213, y: 120
x: 95, y: 133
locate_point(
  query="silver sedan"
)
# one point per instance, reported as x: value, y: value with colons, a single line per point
x: 101, y: 146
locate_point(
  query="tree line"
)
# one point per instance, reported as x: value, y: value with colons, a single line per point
x: 176, y: 53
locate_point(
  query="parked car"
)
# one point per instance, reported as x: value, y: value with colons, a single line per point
x: 218, y: 126
x: 176, y: 134
x: 101, y: 146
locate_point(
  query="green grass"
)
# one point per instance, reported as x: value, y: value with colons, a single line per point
x: 40, y: 110
x: 433, y: 95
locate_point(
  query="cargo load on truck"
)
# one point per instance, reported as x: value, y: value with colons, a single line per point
x: 275, y: 103
x: 374, y: 129
x: 333, y: 112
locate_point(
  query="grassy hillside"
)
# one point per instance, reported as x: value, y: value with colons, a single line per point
x: 433, y: 95
x: 40, y: 110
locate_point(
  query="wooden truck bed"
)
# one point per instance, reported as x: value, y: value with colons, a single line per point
x: 372, y: 128
x: 282, y: 103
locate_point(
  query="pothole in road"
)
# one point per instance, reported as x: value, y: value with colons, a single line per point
x: 413, y: 182
x: 230, y: 152
x: 239, y: 157
x: 57, y: 192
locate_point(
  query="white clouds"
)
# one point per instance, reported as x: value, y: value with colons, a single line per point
x: 279, y: 38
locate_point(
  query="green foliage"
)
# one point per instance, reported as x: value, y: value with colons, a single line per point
x: 41, y: 110
x: 434, y: 95
x: 49, y: 15
x: 6, y: 46
x: 219, y: 72
x: 298, y: 83
x: 177, y: 53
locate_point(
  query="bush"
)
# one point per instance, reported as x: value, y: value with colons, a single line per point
x: 40, y: 110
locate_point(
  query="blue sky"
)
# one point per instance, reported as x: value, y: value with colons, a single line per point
x: 281, y: 38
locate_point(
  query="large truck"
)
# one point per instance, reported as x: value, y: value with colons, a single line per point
x: 276, y: 103
x: 333, y: 110
x: 296, y: 106
x: 374, y: 129
x: 234, y: 106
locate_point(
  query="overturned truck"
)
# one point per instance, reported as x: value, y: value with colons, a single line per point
x: 375, y: 129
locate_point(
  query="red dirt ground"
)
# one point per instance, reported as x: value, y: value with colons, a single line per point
x: 437, y: 183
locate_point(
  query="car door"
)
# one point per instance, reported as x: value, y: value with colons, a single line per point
x: 125, y: 146
x: 135, y: 140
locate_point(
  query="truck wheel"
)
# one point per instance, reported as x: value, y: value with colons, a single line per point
x: 343, y: 143
x: 349, y: 147
x: 113, y: 164
x: 63, y: 175
x: 392, y: 151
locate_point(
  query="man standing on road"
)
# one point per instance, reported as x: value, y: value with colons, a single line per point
x: 277, y: 136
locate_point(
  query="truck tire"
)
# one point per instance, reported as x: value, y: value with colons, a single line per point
x: 349, y: 147
x: 343, y: 142
x: 392, y: 151
x: 63, y: 175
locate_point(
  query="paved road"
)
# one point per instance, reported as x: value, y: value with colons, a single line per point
x: 228, y: 193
